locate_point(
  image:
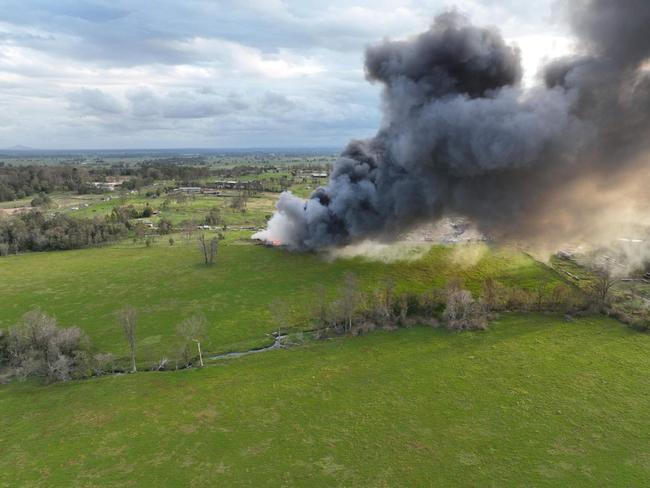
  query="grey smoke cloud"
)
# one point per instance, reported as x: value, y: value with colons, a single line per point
x: 461, y: 136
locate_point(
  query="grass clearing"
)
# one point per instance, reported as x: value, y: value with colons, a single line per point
x: 166, y: 284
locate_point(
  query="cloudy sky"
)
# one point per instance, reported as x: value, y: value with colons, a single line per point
x: 198, y: 73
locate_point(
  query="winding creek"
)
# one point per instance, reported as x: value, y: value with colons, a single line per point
x: 277, y: 343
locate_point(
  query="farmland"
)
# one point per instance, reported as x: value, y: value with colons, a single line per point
x: 535, y: 401
x: 167, y: 283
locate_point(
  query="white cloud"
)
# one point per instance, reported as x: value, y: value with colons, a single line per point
x: 92, y: 101
x: 203, y: 73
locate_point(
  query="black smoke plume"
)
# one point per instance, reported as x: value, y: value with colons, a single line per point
x: 461, y: 136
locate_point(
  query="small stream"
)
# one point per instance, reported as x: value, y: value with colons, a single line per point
x: 277, y: 343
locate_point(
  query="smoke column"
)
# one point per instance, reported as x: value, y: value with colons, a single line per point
x: 460, y: 136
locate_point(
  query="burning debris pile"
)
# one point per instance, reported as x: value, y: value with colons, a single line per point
x: 460, y: 136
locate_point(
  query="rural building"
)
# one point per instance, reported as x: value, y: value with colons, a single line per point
x: 107, y: 185
x: 188, y: 189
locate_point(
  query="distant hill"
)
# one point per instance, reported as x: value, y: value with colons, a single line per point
x: 19, y: 147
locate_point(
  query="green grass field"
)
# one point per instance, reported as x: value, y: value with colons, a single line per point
x: 534, y: 401
x: 86, y: 287
x: 195, y: 208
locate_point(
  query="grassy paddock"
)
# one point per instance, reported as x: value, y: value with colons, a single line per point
x: 535, y: 401
x: 166, y: 284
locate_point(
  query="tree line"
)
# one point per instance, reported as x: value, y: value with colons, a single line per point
x: 355, y: 311
x: 18, y: 182
x: 34, y: 231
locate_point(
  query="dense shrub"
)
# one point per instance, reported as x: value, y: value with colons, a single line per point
x: 38, y: 347
x: 41, y: 200
x: 463, y: 312
x: 104, y: 363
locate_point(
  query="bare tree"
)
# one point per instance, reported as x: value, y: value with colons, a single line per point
x: 462, y: 312
x: 279, y: 309
x: 490, y: 294
x: 387, y: 300
x: 104, y: 363
x: 321, y: 308
x: 193, y: 329
x: 139, y: 232
x: 189, y: 226
x: 603, y: 285
x: 37, y: 346
x: 208, y: 248
x: 127, y: 317
x: 349, y: 300
x: 541, y: 296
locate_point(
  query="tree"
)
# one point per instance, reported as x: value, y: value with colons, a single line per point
x: 491, y: 294
x: 279, y: 309
x: 213, y: 217
x: 321, y: 309
x: 193, y: 329
x: 128, y: 320
x: 349, y: 300
x: 165, y: 226
x: 189, y: 227
x: 139, y: 231
x: 386, y: 301
x: 208, y: 248
x: 239, y: 201
x: 602, y: 287
x: 41, y: 200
